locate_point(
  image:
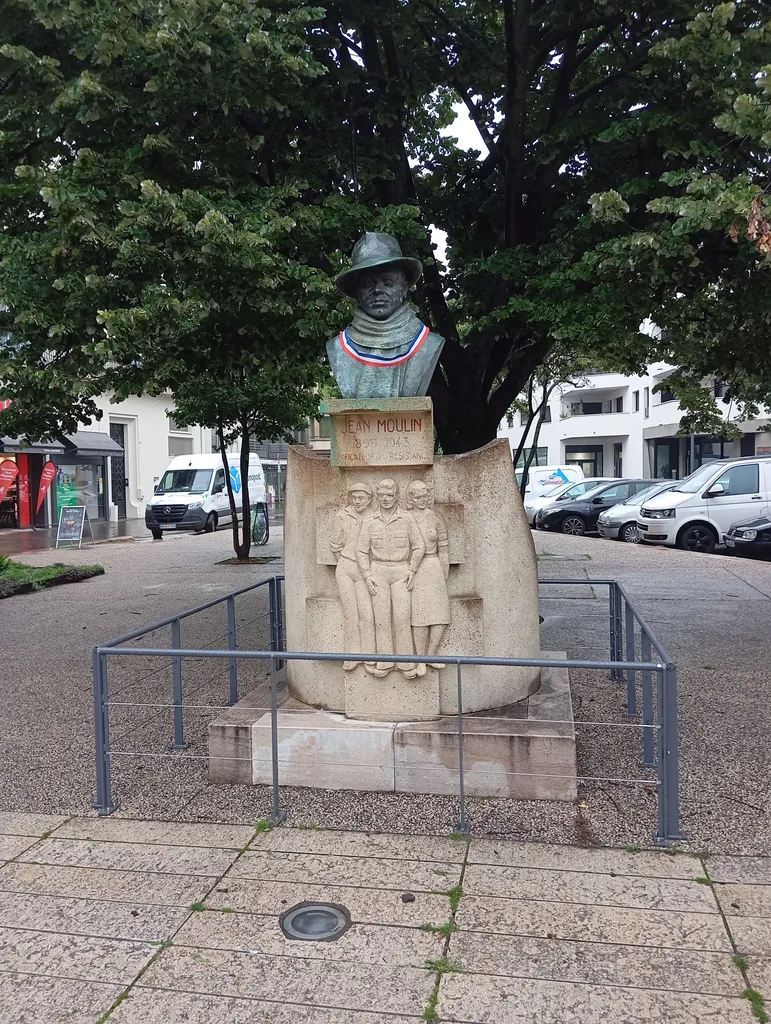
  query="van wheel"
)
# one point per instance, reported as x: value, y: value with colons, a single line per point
x: 157, y: 534
x: 629, y: 533
x: 698, y: 537
x: 211, y: 523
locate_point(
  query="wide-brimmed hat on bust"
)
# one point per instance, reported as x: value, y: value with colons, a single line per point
x: 377, y: 250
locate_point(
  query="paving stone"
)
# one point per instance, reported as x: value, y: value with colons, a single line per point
x: 361, y: 844
x: 89, y: 917
x: 745, y: 900
x: 603, y: 860
x: 597, y: 963
x: 759, y: 975
x: 127, y: 830
x: 573, y: 921
x: 33, y: 999
x: 150, y: 1006
x: 751, y: 935
x: 362, y: 943
x: 12, y: 846
x: 349, y: 986
x: 94, y: 958
x: 752, y: 870
x: 131, y: 856
x: 483, y: 999
x: 370, y: 872
x: 120, y: 886
x: 19, y: 823
x: 586, y: 887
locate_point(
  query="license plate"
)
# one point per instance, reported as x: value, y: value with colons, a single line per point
x: 730, y: 543
x: 168, y: 526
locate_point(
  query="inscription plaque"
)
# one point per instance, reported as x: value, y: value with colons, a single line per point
x: 381, y: 432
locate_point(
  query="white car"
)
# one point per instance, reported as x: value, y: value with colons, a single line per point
x: 700, y: 510
x: 565, y: 492
x: 620, y: 521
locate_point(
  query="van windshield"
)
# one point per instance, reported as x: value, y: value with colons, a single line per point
x: 194, y: 481
x: 698, y: 478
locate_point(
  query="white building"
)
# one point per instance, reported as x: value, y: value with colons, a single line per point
x: 613, y: 425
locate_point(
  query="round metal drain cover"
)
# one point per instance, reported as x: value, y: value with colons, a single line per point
x: 315, y: 922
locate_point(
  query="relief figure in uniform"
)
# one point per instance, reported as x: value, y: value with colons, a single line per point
x: 430, y: 614
x: 355, y: 599
x: 390, y: 550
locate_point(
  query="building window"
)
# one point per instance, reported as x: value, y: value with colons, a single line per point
x: 541, y: 457
x: 636, y: 397
x: 178, y: 428
x: 647, y: 395
x: 667, y: 396
x: 588, y: 457
x: 620, y: 403
x: 524, y: 416
x: 180, y: 446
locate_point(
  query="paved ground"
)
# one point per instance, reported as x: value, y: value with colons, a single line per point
x: 141, y: 922
x: 712, y: 612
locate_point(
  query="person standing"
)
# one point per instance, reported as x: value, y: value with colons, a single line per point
x: 430, y: 614
x: 355, y: 598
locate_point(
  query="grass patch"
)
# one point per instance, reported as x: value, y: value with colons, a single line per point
x: 162, y: 944
x: 758, y: 1004
x: 121, y: 998
x: 740, y: 961
x: 440, y: 929
x: 702, y: 880
x: 430, y: 1014
x: 263, y: 825
x: 442, y: 966
x: 459, y: 837
x: 17, y: 577
x: 196, y: 908
x: 633, y: 848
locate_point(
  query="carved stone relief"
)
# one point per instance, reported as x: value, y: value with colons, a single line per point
x: 391, y: 574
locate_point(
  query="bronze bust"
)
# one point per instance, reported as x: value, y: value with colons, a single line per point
x: 386, y: 351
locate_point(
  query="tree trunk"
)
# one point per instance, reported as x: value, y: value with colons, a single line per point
x: 237, y: 545
x: 246, y: 524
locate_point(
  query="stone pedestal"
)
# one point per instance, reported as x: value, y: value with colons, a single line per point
x: 526, y: 751
x: 490, y: 594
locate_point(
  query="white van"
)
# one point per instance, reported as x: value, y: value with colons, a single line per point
x: 191, y: 494
x: 697, y: 513
x: 540, y: 479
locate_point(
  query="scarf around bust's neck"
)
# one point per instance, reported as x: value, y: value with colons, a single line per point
x: 401, y: 328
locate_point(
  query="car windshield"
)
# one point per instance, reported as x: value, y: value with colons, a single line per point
x: 595, y: 491
x: 649, y: 492
x: 557, y: 491
x: 194, y: 481
x: 698, y: 478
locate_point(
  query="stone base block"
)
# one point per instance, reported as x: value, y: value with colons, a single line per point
x: 392, y: 697
x: 325, y: 750
x: 526, y: 751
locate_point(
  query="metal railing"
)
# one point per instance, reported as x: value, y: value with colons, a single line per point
x: 655, y: 712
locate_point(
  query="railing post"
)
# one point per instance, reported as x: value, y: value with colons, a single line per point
x: 176, y: 686
x: 280, y: 617
x: 232, y: 646
x: 272, y: 610
x: 669, y: 720
x: 104, y: 802
x: 612, y: 613
x: 462, y: 820
x: 620, y: 604
x: 649, y: 759
x: 278, y: 817
x: 631, y: 674
x: 661, y: 838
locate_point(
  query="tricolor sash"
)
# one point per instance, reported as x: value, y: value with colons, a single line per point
x: 370, y: 359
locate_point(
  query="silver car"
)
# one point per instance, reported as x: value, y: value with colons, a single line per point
x: 620, y: 521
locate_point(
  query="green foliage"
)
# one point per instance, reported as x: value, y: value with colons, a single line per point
x: 180, y: 180
x: 757, y: 1003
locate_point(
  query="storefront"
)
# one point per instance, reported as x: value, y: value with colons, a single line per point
x: 17, y: 507
x: 82, y: 473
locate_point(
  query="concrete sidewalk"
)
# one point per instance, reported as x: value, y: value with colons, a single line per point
x: 141, y: 922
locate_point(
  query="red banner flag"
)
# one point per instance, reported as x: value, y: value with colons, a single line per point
x: 47, y: 475
x: 8, y: 471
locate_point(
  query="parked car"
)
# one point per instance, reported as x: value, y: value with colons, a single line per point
x: 541, y: 479
x: 580, y: 515
x: 192, y: 494
x: 696, y: 513
x: 563, y: 493
x: 620, y: 521
x: 751, y: 536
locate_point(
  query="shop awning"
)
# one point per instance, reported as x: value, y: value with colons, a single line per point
x: 91, y: 442
x: 17, y: 444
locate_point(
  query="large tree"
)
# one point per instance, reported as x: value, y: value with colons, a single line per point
x: 626, y: 155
